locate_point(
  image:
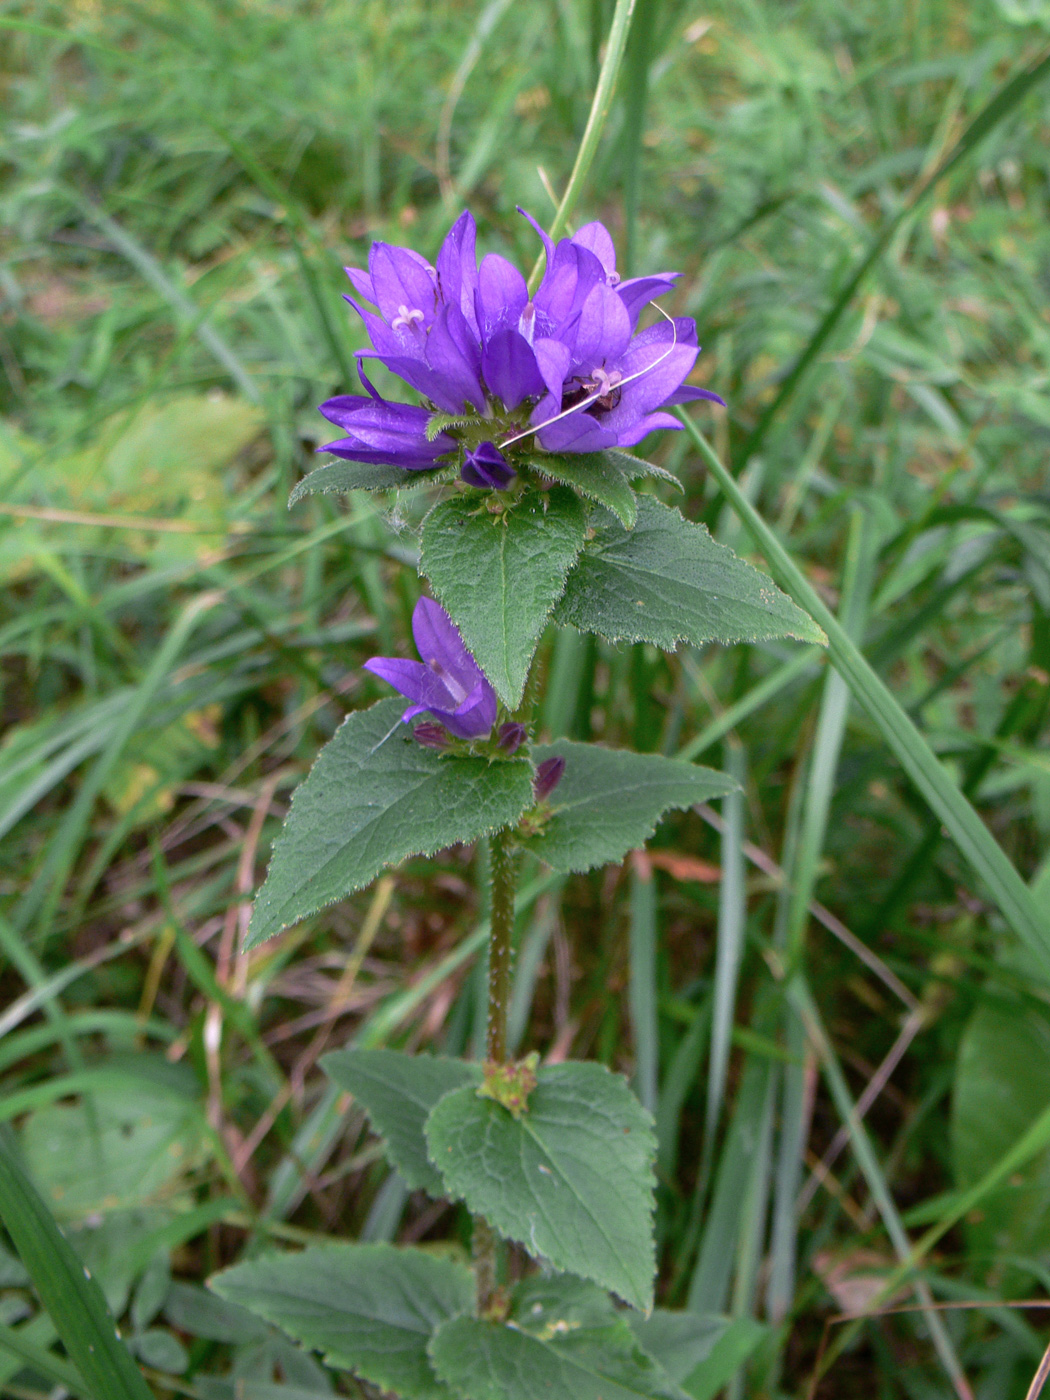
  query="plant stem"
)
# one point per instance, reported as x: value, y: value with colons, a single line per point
x: 602, y: 101
x: 500, y: 945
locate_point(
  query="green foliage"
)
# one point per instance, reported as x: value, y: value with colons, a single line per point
x: 373, y: 797
x: 609, y: 801
x: 499, y: 575
x: 563, y: 1341
x: 571, y: 1178
x: 398, y: 1091
x: 1002, y: 1086
x: 604, y: 477
x: 72, y: 1298
x: 667, y: 581
x: 340, y: 477
x: 700, y: 1352
x: 369, y: 1308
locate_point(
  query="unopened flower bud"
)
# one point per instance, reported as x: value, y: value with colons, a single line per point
x: 486, y: 466
x: 510, y: 737
x: 548, y: 776
x: 431, y: 736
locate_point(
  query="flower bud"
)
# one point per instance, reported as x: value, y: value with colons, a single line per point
x: 510, y: 737
x: 431, y: 736
x: 486, y: 466
x: 548, y: 776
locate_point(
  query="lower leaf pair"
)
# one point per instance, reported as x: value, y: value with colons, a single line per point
x: 570, y: 1177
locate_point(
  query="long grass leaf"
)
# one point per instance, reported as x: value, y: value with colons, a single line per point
x: 72, y: 1298
x: 1012, y: 896
x: 999, y: 107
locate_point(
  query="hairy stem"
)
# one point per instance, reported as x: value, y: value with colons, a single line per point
x: 500, y: 945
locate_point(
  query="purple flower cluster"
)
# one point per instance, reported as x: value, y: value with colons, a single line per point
x: 567, y: 368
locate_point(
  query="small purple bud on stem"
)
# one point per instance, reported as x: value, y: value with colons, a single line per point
x: 431, y: 736
x: 510, y: 737
x: 487, y: 467
x: 548, y: 776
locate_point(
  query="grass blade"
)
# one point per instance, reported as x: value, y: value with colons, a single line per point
x: 1010, y: 893
x: 72, y: 1298
x: 615, y: 46
x: 1000, y: 106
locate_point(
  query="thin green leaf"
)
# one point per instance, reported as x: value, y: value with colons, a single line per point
x: 73, y: 1300
x: 1012, y: 896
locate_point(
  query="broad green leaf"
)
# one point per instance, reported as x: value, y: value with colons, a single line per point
x: 610, y: 800
x: 398, y: 1092
x: 126, y: 1146
x: 571, y: 1179
x: 599, y: 475
x: 341, y: 476
x: 72, y: 1298
x: 370, y: 1308
x: 373, y: 797
x: 563, y: 1341
x: 1002, y: 1086
x: 499, y: 576
x: 667, y: 581
x: 194, y: 1310
x: 701, y: 1351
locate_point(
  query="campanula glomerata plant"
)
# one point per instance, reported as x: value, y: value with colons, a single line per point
x: 524, y: 404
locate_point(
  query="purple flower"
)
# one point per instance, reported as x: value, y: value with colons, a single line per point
x: 566, y: 370
x: 448, y: 683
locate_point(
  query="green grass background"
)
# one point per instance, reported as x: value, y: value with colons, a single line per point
x: 181, y: 186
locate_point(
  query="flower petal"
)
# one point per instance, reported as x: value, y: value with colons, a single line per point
x: 502, y: 295
x: 509, y: 366
x: 402, y: 279
x: 457, y: 267
x: 597, y: 238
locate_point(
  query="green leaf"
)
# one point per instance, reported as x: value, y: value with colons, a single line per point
x: 564, y: 1341
x: 571, y: 1179
x: 701, y: 1351
x: 73, y: 1300
x: 599, y: 475
x: 372, y: 798
x: 369, y: 1308
x: 610, y: 800
x: 499, y: 576
x: 341, y: 476
x: 126, y: 1145
x: 398, y: 1091
x: 194, y: 1310
x: 1002, y: 1086
x: 667, y: 581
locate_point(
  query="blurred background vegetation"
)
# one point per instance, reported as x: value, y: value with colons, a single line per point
x: 182, y: 184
